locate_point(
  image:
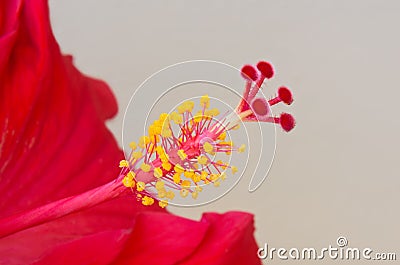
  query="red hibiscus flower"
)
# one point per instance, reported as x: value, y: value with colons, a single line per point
x: 55, y: 150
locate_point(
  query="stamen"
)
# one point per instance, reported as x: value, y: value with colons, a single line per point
x: 266, y: 70
x: 286, y: 121
x: 284, y: 95
x: 182, y: 160
x: 250, y: 74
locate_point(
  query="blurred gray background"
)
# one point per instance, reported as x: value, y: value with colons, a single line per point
x: 337, y: 173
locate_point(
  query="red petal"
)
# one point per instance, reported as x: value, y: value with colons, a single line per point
x: 54, y: 142
x: 218, y: 239
x: 76, y: 251
x: 160, y: 238
x: 229, y: 241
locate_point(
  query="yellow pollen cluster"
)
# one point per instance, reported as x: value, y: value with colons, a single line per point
x: 133, y: 145
x: 234, y: 169
x: 166, y: 165
x: 158, y: 172
x: 208, y: 148
x: 175, y: 117
x: 164, y: 160
x: 186, y: 106
x: 182, y: 155
x: 137, y: 155
x: 140, y: 186
x: 129, y: 180
x: 123, y: 163
x: 145, y: 167
x: 205, y: 101
x: 202, y: 160
x: 146, y: 200
x: 242, y: 148
x: 143, y: 141
x: 163, y: 203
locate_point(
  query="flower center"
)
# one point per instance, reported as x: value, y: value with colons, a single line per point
x: 179, y: 152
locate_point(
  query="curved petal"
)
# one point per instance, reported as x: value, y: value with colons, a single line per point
x: 229, y: 240
x: 159, y: 238
x: 218, y: 239
x: 53, y: 141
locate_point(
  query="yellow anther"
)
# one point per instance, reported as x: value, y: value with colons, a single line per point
x: 158, y: 173
x: 195, y: 194
x: 159, y: 185
x: 189, y: 106
x: 128, y: 180
x: 217, y: 183
x: 184, y: 192
x: 222, y: 136
x: 181, y: 108
x: 133, y: 145
x: 222, y: 164
x: 175, y: 117
x: 196, y: 178
x: 166, y: 132
x: 123, y: 163
x: 143, y: 141
x: 209, y: 148
x: 163, y: 117
x: 166, y: 165
x: 177, y: 178
x: 202, y: 160
x: 214, y: 177
x: 152, y: 131
x: 211, y: 112
x: 223, y: 175
x: 186, y: 184
x: 178, y: 168
x: 155, y: 128
x: 170, y: 195
x: 160, y: 150
x: 188, y: 174
x: 205, y: 101
x: 155, y: 139
x: 146, y: 200
x: 197, y: 118
x: 164, y: 158
x: 162, y: 193
x: 163, y: 203
x: 185, y: 106
x: 137, y: 155
x: 230, y: 143
x: 199, y: 188
x: 203, y: 175
x: 182, y: 155
x: 145, y: 167
x: 234, y: 169
x: 140, y: 186
x: 242, y: 148
x: 131, y: 175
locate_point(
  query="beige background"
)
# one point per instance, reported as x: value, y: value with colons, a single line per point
x: 338, y: 172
